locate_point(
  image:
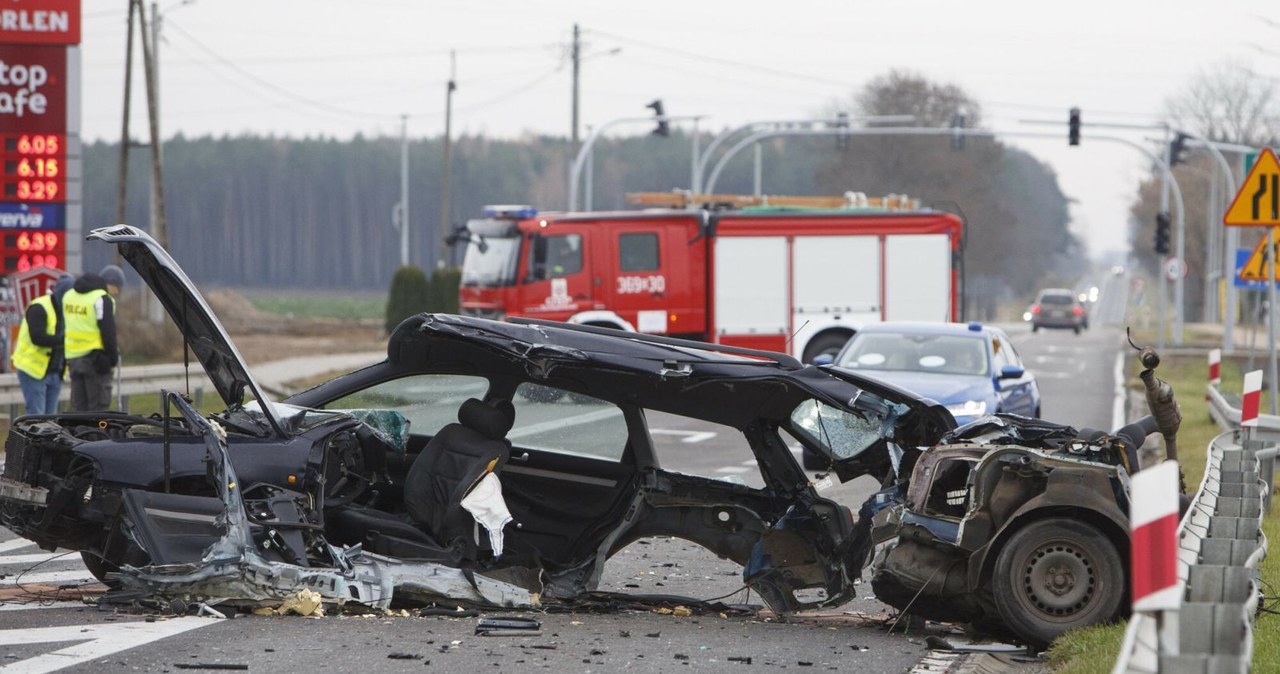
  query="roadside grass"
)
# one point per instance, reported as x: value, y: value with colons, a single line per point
x: 1093, y: 650
x: 312, y: 305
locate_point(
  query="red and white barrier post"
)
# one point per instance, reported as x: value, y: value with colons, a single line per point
x: 1215, y: 368
x: 1250, y: 400
x: 1153, y: 521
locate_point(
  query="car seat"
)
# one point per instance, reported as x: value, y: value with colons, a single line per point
x: 436, y: 526
x: 452, y: 463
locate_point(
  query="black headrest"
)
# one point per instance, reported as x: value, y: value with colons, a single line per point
x: 491, y: 421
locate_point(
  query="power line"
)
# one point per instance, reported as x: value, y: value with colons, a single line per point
x: 272, y: 87
x: 712, y: 59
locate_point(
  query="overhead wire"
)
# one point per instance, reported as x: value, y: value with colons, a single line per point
x: 320, y: 106
x: 273, y: 88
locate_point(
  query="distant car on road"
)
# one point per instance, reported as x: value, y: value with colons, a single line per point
x: 970, y: 368
x: 1058, y: 308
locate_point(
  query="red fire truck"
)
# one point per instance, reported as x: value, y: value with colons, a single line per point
x: 792, y: 274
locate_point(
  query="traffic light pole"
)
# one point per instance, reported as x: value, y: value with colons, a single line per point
x: 1166, y: 176
x: 575, y: 174
x: 1271, y: 313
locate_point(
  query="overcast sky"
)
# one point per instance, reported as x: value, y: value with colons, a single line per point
x: 340, y: 67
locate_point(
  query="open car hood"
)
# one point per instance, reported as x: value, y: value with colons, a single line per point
x: 201, y: 330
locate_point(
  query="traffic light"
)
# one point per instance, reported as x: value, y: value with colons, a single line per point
x: 957, y: 126
x: 1073, y: 127
x: 1162, y: 233
x: 662, y: 129
x: 1178, y: 150
x: 842, y: 123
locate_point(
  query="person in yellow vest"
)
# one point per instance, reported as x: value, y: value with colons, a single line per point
x: 38, y: 355
x: 89, y: 309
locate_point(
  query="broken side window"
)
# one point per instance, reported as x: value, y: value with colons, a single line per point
x: 427, y: 401
x: 552, y: 420
x: 841, y: 433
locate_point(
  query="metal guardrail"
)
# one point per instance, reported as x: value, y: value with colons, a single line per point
x: 134, y: 380
x: 1220, y: 545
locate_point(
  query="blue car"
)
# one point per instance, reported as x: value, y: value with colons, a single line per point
x: 972, y: 369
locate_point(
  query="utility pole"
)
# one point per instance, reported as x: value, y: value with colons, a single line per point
x: 155, y: 129
x: 121, y: 187
x: 446, y: 186
x: 402, y: 213
x: 161, y: 232
x: 575, y: 56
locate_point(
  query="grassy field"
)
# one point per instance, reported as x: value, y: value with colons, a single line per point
x: 1093, y: 650
x: 318, y: 305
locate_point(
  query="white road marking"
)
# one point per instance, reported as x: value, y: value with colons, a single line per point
x: 15, y: 544
x: 29, y: 605
x: 33, y: 559
x: 689, y: 436
x: 98, y: 640
x: 81, y: 575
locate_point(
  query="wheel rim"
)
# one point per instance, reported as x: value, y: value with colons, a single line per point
x: 1058, y: 580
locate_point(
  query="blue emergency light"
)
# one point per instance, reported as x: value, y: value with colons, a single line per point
x: 509, y: 211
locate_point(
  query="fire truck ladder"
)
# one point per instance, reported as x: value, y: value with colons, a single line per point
x: 687, y: 199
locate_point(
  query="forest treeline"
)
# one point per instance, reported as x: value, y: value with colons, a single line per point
x: 258, y: 212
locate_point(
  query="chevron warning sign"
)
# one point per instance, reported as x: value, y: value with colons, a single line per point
x: 1256, y: 268
x: 1258, y: 201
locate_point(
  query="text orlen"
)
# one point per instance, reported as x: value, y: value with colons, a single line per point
x: 37, y: 21
x: 26, y: 99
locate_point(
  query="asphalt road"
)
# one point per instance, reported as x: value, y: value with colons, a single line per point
x: 44, y: 626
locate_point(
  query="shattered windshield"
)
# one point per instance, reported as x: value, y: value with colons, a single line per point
x: 491, y: 260
x: 843, y: 433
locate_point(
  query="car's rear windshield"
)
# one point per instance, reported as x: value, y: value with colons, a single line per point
x: 1057, y: 299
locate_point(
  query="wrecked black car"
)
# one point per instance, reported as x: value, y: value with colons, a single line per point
x: 482, y: 462
x: 502, y: 464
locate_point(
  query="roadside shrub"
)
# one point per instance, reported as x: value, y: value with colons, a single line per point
x: 444, y: 290
x: 409, y: 294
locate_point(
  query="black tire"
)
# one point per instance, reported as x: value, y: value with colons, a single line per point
x: 120, y: 551
x: 1054, y: 575
x: 829, y: 343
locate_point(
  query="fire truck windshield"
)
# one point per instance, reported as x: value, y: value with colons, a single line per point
x: 491, y: 261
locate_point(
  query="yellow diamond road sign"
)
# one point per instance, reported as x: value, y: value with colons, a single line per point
x: 1256, y: 267
x: 1257, y: 203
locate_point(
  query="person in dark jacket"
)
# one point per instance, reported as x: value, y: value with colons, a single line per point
x: 91, y: 350
x: 38, y: 354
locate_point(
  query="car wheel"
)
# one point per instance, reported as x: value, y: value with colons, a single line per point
x: 1055, y: 575
x: 828, y: 344
x: 101, y: 563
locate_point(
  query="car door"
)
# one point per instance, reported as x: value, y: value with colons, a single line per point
x: 1017, y: 395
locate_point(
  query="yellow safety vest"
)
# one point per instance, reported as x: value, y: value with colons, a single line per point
x: 82, y: 322
x: 29, y: 358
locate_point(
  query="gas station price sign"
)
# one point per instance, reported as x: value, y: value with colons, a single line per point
x: 24, y: 249
x: 34, y: 167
